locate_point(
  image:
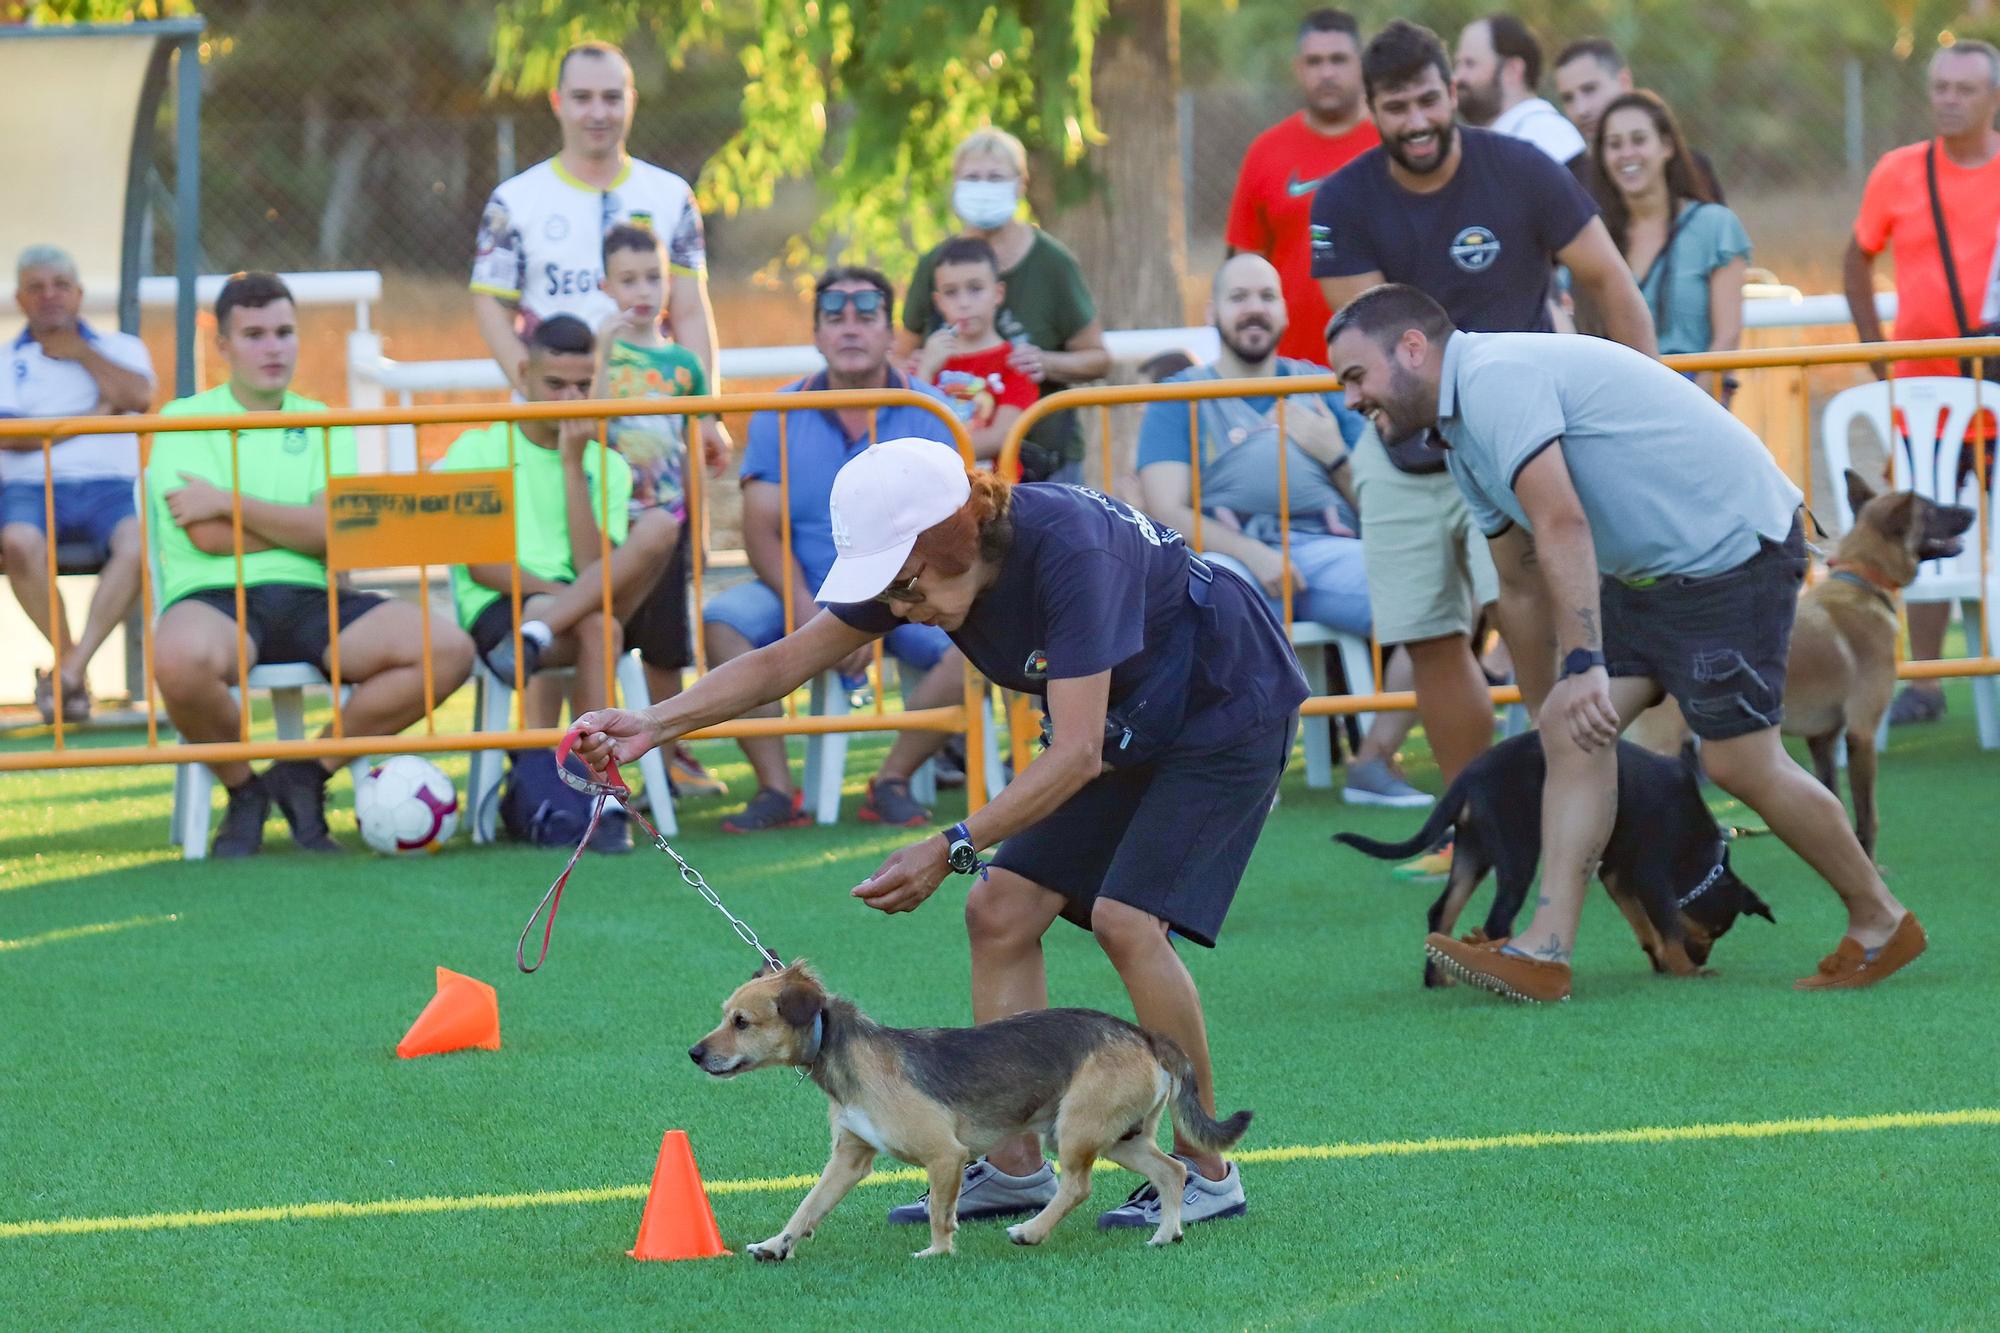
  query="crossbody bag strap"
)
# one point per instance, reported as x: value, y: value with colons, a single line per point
x: 1944, y: 241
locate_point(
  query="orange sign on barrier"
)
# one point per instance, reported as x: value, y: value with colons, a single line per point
x: 425, y: 518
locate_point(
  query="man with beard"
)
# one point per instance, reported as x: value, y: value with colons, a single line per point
x: 1591, y: 74
x: 1241, y: 525
x: 1648, y: 546
x: 1477, y: 221
x: 1499, y: 67
x: 1272, y: 206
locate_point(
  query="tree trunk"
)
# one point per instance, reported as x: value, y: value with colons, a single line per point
x: 1131, y: 234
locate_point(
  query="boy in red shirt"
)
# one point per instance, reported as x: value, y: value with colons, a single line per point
x: 967, y: 358
x: 1271, y: 213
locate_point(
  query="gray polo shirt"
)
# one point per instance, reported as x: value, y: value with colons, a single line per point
x: 1670, y: 481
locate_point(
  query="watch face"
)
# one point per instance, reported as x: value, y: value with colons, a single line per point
x: 963, y: 859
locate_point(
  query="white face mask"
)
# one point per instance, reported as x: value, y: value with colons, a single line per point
x: 985, y: 204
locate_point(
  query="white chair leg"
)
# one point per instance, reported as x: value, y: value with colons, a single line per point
x: 923, y: 783
x: 1359, y: 663
x: 180, y: 806
x: 489, y: 712
x: 196, y: 784
x: 827, y: 768
x: 1319, y: 730
x: 653, y: 766
x: 996, y: 774
x: 1985, y: 689
x: 288, y: 710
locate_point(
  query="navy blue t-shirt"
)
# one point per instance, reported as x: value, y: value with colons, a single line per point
x: 1090, y: 584
x: 1483, y: 247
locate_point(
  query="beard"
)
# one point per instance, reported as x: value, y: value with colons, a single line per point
x: 1445, y: 138
x: 1250, y: 355
x: 1480, y: 104
x: 1402, y: 408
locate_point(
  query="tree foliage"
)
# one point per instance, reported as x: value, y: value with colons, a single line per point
x: 867, y: 98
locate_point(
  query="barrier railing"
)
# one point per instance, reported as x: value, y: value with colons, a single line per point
x: 377, y: 520
x: 1981, y: 662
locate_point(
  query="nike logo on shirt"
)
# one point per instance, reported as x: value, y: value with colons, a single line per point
x: 1298, y: 189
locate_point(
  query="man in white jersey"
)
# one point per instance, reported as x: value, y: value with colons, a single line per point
x: 1498, y: 69
x: 1647, y: 543
x: 541, y: 239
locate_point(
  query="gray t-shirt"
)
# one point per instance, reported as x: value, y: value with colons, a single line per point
x: 1670, y: 481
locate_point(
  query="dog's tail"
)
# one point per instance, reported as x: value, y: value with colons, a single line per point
x: 1190, y: 1117
x: 1444, y: 814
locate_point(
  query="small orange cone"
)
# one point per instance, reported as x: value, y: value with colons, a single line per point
x: 464, y: 1012
x: 677, y: 1223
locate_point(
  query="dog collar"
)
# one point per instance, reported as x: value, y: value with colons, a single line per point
x: 1862, y: 576
x: 812, y: 1048
x: 1707, y: 883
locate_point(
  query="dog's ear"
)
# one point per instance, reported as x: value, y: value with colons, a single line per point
x: 1899, y: 515
x: 800, y: 1002
x: 1752, y: 905
x: 1859, y: 492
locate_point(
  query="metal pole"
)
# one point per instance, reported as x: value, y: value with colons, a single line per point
x: 187, y: 223
x: 1857, y: 150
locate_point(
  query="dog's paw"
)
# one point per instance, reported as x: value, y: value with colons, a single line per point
x: 1161, y: 1237
x: 772, y: 1251
x: 929, y: 1251
x: 1021, y: 1234
x: 1436, y: 978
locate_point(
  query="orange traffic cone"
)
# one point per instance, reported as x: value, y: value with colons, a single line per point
x: 464, y: 1012
x: 677, y: 1223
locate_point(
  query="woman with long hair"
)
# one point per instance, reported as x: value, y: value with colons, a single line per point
x: 1687, y: 252
x: 1172, y: 699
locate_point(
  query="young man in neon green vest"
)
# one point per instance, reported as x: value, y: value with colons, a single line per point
x: 282, y: 477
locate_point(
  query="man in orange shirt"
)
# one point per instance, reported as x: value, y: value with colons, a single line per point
x: 1272, y: 207
x: 1896, y: 211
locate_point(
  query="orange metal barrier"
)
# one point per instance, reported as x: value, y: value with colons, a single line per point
x: 384, y: 519
x: 1983, y: 662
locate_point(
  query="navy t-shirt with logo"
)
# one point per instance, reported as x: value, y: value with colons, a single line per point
x: 1089, y: 585
x: 1483, y: 247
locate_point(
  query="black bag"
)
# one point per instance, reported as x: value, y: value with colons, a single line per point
x: 1965, y: 329
x: 537, y: 806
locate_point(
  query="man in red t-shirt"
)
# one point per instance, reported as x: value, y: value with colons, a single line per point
x: 1271, y: 211
x: 1896, y: 214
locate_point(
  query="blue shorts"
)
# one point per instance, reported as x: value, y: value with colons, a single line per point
x: 86, y: 511
x: 758, y: 614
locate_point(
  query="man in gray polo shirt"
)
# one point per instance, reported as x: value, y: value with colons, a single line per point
x: 1644, y: 537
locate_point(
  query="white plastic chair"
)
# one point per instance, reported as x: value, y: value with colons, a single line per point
x: 1938, y: 412
x: 194, y: 784
x: 826, y: 754
x: 491, y: 708
x: 1357, y: 660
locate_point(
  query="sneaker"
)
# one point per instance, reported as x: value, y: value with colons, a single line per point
x: 889, y: 802
x: 614, y: 833
x: 298, y: 787
x: 1430, y: 866
x: 76, y: 703
x: 949, y: 764
x: 1202, y: 1200
x: 1850, y: 967
x: 1491, y: 966
x: 1375, y: 783
x: 1913, y: 706
x: 499, y: 659
x: 769, y: 809
x: 987, y: 1192
x: 45, y: 695
x: 242, y: 831
x: 689, y: 778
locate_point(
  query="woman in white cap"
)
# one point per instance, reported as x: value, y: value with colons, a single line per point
x: 1172, y: 696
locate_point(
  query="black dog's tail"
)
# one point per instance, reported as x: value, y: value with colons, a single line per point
x: 1443, y: 815
x: 1190, y: 1117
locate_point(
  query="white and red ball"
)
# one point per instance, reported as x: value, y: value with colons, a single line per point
x: 406, y: 805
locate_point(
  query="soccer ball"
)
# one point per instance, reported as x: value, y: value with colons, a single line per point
x: 405, y: 805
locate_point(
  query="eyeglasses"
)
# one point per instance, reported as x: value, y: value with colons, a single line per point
x: 865, y: 302
x: 903, y: 590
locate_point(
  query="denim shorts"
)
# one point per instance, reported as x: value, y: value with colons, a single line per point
x: 1717, y: 644
x: 758, y: 614
x: 86, y: 511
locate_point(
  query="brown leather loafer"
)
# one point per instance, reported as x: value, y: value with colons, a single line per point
x: 1849, y: 967
x: 1509, y: 975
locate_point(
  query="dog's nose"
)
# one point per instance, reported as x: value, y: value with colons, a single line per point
x: 698, y: 1052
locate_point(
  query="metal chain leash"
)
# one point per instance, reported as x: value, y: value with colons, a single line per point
x: 692, y: 878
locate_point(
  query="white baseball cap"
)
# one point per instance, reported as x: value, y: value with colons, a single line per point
x: 883, y: 500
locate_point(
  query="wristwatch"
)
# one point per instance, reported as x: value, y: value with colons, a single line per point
x: 960, y: 853
x: 1581, y: 660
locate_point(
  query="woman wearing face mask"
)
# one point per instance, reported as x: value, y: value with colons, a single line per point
x: 1687, y: 252
x: 1048, y: 315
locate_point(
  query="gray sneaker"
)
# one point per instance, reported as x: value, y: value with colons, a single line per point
x: 987, y: 1192
x: 1375, y: 783
x: 1203, y: 1200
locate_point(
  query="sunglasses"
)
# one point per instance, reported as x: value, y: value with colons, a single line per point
x: 904, y: 590
x: 865, y: 302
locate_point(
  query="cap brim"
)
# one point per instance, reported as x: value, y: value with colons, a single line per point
x: 861, y: 578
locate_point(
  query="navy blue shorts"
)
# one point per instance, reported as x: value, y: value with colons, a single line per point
x: 86, y: 511
x: 287, y: 621
x: 1171, y: 838
x: 1718, y: 645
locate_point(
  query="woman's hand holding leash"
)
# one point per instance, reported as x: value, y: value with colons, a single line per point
x: 907, y: 878
x: 615, y: 734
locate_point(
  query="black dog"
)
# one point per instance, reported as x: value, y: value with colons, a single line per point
x: 1667, y: 864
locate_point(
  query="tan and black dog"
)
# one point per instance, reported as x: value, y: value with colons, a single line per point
x: 939, y: 1097
x: 1842, y: 672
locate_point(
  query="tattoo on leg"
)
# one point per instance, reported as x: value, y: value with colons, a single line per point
x: 1550, y: 950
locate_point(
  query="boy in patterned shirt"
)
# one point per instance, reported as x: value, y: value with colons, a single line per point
x: 966, y: 357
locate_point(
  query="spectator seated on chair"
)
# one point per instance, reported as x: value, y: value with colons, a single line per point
x: 281, y: 475
x: 565, y: 485
x: 60, y: 366
x: 852, y: 309
x: 1241, y: 526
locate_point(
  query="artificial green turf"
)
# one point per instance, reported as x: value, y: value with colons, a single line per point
x: 242, y: 1055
